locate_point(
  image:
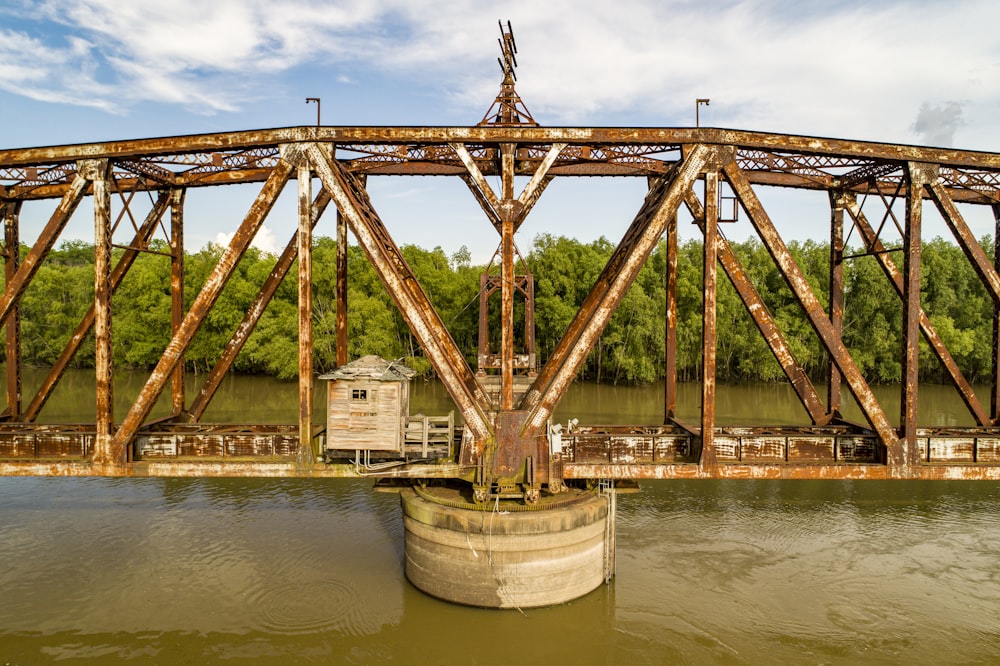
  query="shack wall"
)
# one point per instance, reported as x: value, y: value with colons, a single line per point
x: 365, y: 415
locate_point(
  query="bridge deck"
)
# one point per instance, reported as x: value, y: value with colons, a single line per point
x: 588, y: 452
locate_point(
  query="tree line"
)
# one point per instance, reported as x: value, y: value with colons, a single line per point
x: 630, y: 350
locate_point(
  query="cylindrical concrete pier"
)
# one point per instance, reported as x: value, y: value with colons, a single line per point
x: 502, y: 556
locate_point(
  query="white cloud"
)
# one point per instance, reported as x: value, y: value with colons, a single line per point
x: 837, y: 69
x: 264, y: 241
x: 936, y: 125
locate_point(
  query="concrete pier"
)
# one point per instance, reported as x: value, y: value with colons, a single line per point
x: 505, y: 554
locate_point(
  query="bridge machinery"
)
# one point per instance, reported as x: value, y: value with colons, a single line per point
x: 508, y: 457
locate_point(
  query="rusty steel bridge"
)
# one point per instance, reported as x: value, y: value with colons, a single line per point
x: 506, y: 439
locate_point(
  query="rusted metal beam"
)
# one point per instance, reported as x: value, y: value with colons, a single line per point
x: 342, y: 284
x: 508, y: 212
x: 177, y: 291
x: 651, y: 136
x: 483, y: 341
x: 959, y: 193
x: 918, y: 175
x: 670, y: 323
x: 420, y: 315
x: 707, y: 460
x: 810, y: 304
x: 995, y: 374
x: 621, y: 270
x: 87, y: 322
x: 479, y: 186
x: 763, y: 319
x: 253, y: 314
x: 934, y: 341
x: 836, y: 310
x: 46, y: 239
x: 966, y: 240
x: 571, y: 470
x: 495, y: 207
x: 726, y: 471
x: 200, y: 307
x: 304, y: 178
x: 492, y: 215
x: 10, y: 211
x: 534, y: 188
x: 99, y: 173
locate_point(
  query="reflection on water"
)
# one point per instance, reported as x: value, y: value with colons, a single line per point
x: 176, y: 571
x: 310, y: 571
x: 242, y: 399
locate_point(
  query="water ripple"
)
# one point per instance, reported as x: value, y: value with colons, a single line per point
x: 311, y: 606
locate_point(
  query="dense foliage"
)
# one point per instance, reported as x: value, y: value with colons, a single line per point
x: 630, y: 349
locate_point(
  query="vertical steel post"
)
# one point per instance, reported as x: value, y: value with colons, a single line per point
x: 836, y: 296
x: 304, y: 177
x: 507, y: 281
x: 670, y: 334
x: 710, y: 268
x: 484, y: 322
x: 12, y: 349
x: 917, y: 177
x: 341, y: 289
x: 97, y: 171
x: 529, y: 321
x: 177, y: 289
x: 995, y: 392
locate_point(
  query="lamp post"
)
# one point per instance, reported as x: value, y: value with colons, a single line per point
x: 697, y: 103
x: 315, y: 99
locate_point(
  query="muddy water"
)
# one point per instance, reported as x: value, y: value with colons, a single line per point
x: 175, y: 571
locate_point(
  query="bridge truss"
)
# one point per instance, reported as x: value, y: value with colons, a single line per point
x: 506, y: 441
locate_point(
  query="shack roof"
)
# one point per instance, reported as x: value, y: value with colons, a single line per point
x: 371, y: 368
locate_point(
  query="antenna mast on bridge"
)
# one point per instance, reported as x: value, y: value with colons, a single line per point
x: 507, y: 109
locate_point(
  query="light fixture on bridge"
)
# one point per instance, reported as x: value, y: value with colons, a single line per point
x: 697, y: 104
x: 317, y: 100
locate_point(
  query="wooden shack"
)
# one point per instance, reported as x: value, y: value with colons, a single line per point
x: 368, y: 402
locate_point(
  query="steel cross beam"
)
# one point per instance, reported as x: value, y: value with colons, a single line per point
x: 497, y: 207
x: 26, y: 271
x: 420, y: 315
x: 761, y: 316
x: 253, y: 315
x: 618, y: 275
x: 810, y: 304
x: 874, y: 245
x: 199, y: 309
x: 87, y: 322
x: 980, y: 262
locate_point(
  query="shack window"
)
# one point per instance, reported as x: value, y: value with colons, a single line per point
x: 359, y: 395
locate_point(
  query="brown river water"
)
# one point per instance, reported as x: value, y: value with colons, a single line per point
x: 261, y: 571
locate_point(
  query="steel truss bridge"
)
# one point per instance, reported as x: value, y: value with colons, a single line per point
x: 505, y: 443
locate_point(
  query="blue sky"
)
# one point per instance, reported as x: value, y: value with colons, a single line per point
x: 76, y: 71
